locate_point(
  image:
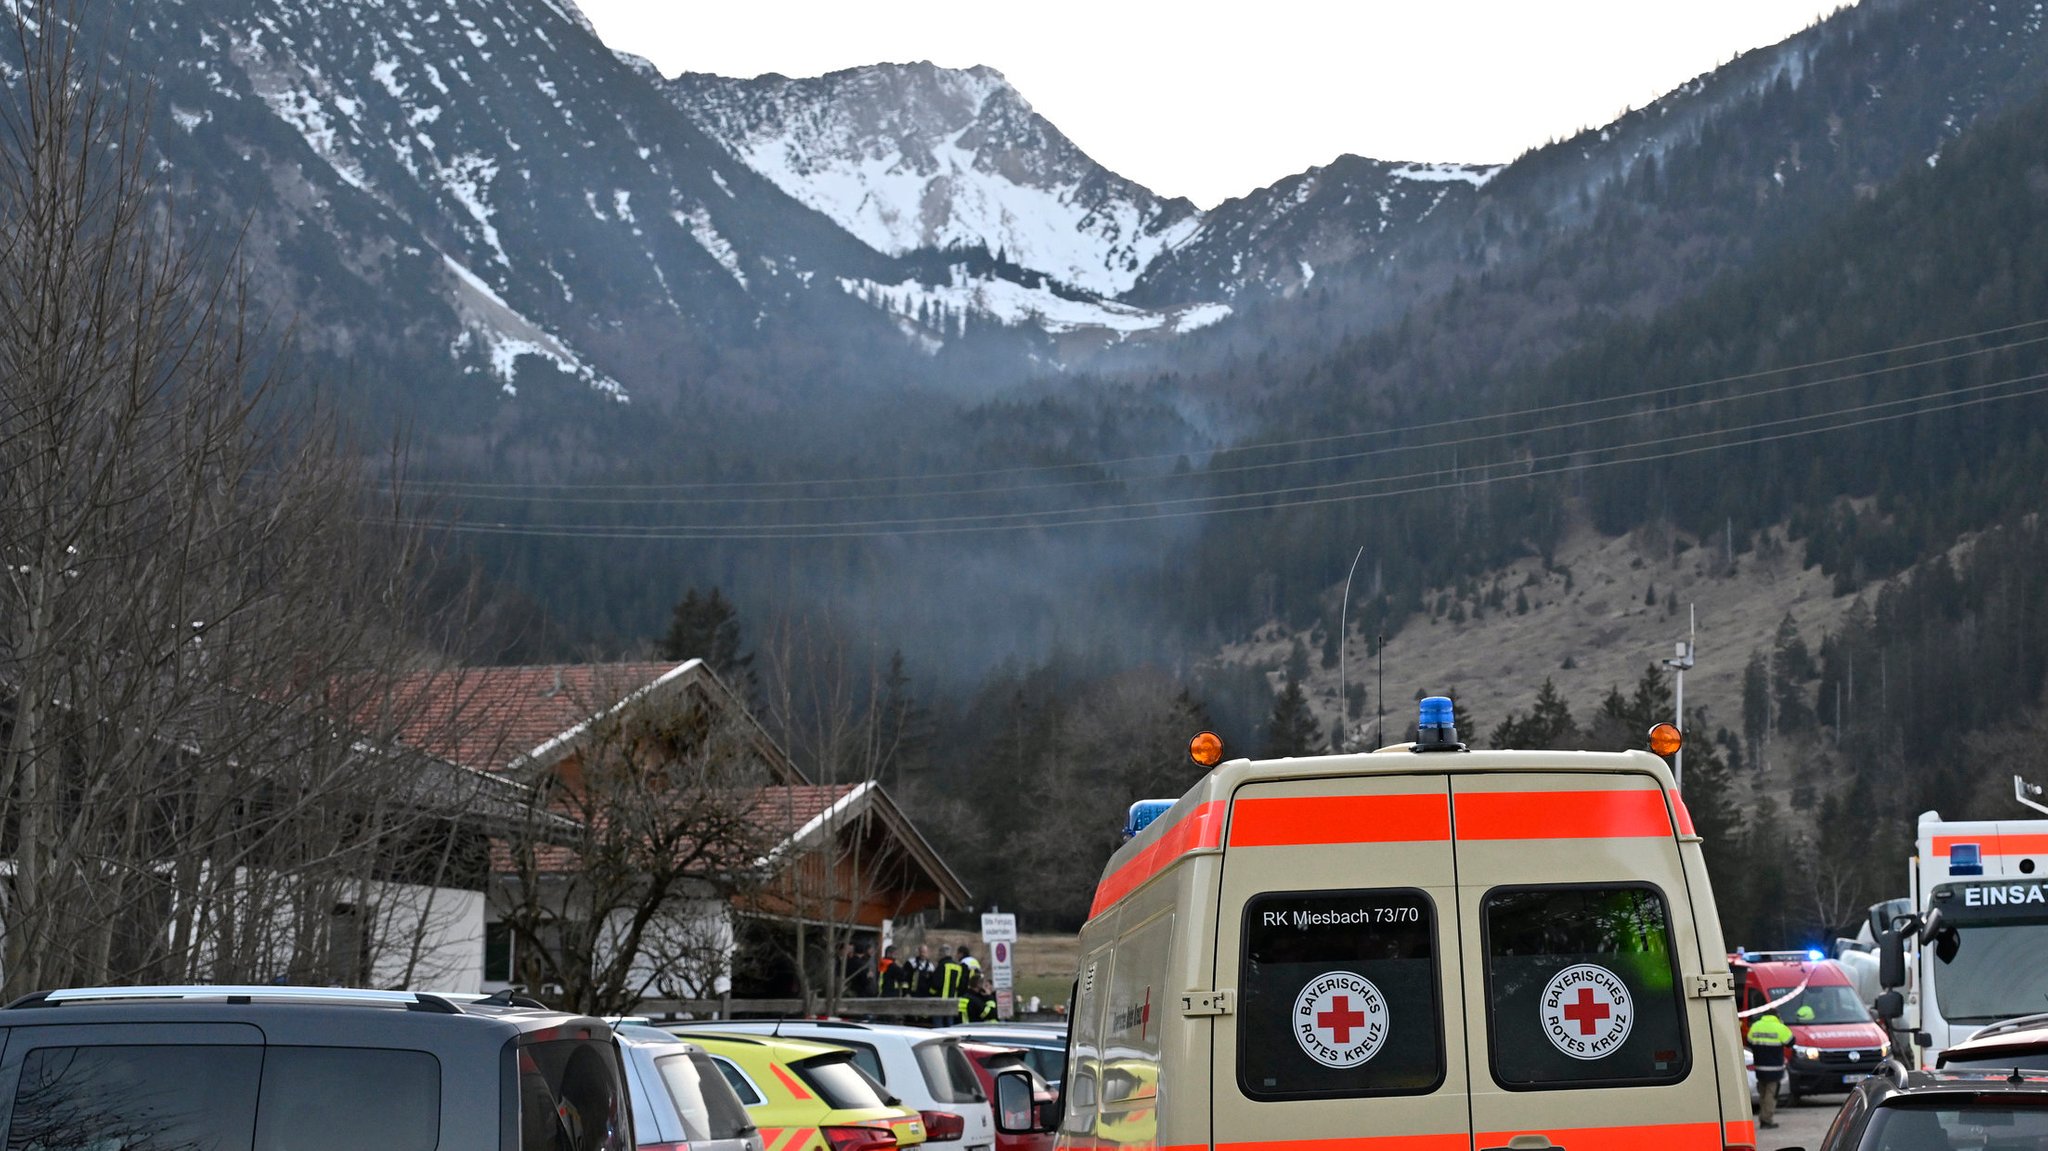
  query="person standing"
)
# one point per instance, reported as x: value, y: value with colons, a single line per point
x: 1768, y: 1038
x: 895, y: 974
x: 953, y: 975
x: 978, y: 1005
x: 924, y: 975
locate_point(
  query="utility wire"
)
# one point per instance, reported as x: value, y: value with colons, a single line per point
x: 1243, y: 469
x: 469, y: 486
x: 1301, y: 496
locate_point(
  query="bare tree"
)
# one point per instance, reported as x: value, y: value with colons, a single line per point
x: 197, y: 609
x: 629, y: 844
x: 826, y: 705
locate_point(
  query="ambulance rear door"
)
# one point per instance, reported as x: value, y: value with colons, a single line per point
x: 1337, y: 934
x: 1579, y: 944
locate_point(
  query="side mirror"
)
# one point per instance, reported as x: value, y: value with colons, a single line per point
x: 1890, y: 1006
x: 1931, y: 927
x: 1014, y: 1112
x: 1891, y: 960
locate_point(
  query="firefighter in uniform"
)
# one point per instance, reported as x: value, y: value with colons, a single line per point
x: 978, y: 1005
x: 952, y: 976
x: 1768, y: 1037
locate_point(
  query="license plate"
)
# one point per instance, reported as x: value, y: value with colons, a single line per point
x: 1852, y: 1080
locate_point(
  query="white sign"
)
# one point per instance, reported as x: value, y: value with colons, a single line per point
x: 1000, y: 956
x: 1340, y: 1019
x: 1587, y: 1011
x: 999, y: 926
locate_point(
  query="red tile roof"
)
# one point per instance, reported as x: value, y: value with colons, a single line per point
x: 489, y: 717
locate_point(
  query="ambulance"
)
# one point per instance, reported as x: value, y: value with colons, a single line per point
x: 1422, y: 948
x: 1966, y: 951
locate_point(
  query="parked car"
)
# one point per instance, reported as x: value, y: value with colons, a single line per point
x: 925, y: 1068
x: 2016, y: 1043
x: 988, y: 1060
x: 681, y: 1100
x: 1901, y: 1110
x: 808, y: 1096
x: 1044, y: 1044
x: 270, y: 1068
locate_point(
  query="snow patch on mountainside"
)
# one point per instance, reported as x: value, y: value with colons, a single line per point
x: 504, y: 335
x: 911, y: 157
x: 1018, y: 304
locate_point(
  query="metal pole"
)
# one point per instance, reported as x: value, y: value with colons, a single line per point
x: 1344, y: 641
x: 1678, y: 761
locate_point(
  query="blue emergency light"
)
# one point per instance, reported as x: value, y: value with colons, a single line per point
x: 1815, y: 954
x: 1142, y: 814
x: 1965, y: 859
x: 1436, y: 727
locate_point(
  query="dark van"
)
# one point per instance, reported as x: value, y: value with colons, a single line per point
x: 305, y: 1069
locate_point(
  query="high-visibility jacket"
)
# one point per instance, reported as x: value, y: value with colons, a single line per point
x: 952, y: 977
x: 1768, y: 1037
x: 977, y: 1007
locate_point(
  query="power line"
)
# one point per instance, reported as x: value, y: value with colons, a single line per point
x: 482, y: 486
x: 1300, y: 496
x: 1273, y: 465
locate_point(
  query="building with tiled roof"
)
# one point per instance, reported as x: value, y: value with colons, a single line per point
x: 840, y: 854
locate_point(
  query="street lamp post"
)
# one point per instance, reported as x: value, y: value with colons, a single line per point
x: 1681, y: 660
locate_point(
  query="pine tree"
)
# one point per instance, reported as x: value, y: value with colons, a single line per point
x: 1292, y: 730
x: 1756, y: 705
x: 707, y: 627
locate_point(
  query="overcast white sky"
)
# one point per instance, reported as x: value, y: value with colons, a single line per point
x: 1210, y: 101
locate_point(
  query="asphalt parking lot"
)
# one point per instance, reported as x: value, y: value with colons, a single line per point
x: 1802, y: 1124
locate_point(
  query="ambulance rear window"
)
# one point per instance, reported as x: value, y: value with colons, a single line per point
x: 1582, y: 989
x: 1339, y: 996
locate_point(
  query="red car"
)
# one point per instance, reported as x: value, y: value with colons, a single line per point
x: 988, y: 1059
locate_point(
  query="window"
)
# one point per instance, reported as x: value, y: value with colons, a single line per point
x: 1582, y: 989
x: 497, y: 952
x: 313, y: 1100
x: 742, y: 1086
x: 838, y: 1082
x: 1836, y: 1004
x: 571, y: 1097
x: 201, y: 1097
x: 1909, y: 1124
x: 947, y: 1074
x: 707, y: 1109
x: 207, y: 1097
x: 1339, y: 996
x: 864, y: 1054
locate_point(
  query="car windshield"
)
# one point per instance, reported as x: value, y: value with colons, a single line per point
x: 1980, y: 1124
x: 1996, y: 973
x: 1836, y: 1004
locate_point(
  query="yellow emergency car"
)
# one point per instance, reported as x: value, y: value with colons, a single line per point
x: 1419, y: 949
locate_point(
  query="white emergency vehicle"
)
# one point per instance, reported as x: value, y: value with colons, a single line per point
x: 1422, y: 948
x: 1969, y: 950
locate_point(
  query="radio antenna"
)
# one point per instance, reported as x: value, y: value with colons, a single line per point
x: 1344, y: 641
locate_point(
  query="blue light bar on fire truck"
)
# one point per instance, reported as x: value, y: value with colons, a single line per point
x: 1143, y: 813
x: 1965, y: 859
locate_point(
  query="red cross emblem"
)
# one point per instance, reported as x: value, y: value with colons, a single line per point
x: 1340, y: 1019
x: 1587, y: 1012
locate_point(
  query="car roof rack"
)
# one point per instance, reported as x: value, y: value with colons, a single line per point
x: 411, y: 1000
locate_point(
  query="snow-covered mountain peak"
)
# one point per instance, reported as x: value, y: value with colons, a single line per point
x: 914, y: 156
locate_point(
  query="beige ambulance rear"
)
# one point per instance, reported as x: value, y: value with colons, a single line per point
x: 1399, y: 951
